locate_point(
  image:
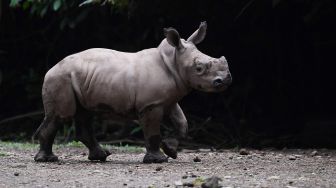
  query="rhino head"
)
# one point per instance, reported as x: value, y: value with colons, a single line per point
x: 195, y: 69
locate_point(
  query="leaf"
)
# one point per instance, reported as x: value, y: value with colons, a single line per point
x: 135, y: 130
x: 14, y: 3
x: 25, y: 5
x: 44, y: 11
x: 57, y: 4
x: 86, y: 2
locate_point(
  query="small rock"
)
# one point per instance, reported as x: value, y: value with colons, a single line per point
x: 243, y: 151
x: 125, y: 184
x: 313, y: 153
x: 188, y: 184
x: 197, y: 159
x: 159, y: 168
x: 290, y: 182
x: 96, y: 171
x: 178, y: 183
x: 193, y: 176
x: 184, y: 177
x: 212, y: 182
x: 273, y: 178
x: 292, y: 157
x: 16, y: 174
x: 231, y: 157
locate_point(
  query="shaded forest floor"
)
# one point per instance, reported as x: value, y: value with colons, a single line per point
x: 251, y: 168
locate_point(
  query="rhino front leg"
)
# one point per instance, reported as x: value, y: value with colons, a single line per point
x: 85, y: 134
x: 169, y: 145
x: 150, y: 121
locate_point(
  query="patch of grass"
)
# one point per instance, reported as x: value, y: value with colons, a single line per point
x: 75, y: 144
x: 18, y: 145
x: 125, y: 148
x: 198, y: 181
x: 3, y: 154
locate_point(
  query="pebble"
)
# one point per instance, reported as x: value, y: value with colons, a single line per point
x: 16, y: 174
x: 243, y: 151
x: 197, y: 159
x: 292, y: 157
x: 211, y: 182
x: 159, y: 168
x: 188, y: 184
x: 178, y: 183
x: 313, y: 153
x: 273, y: 178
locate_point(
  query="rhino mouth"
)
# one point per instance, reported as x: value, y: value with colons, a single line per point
x: 221, y: 87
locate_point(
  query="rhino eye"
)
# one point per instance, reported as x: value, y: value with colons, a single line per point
x: 199, y: 69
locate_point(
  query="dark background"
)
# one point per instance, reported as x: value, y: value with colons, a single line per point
x: 281, y: 55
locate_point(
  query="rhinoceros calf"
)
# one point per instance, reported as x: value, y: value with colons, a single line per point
x: 145, y: 85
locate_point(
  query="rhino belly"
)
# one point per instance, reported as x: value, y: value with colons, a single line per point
x: 109, y: 94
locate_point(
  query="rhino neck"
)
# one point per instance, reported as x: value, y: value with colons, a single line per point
x: 168, y: 55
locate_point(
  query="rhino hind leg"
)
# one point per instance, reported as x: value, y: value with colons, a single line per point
x: 46, y: 135
x: 59, y: 105
x: 85, y: 134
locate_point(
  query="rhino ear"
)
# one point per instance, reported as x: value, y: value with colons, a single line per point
x: 173, y: 37
x: 199, y: 34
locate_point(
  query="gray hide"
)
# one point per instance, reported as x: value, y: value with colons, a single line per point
x: 145, y: 85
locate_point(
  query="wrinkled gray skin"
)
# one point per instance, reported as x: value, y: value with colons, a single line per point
x: 145, y: 85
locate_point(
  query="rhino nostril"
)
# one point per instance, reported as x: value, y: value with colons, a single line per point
x: 218, y: 82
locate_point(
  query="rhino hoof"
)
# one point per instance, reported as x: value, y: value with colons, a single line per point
x: 42, y: 156
x: 169, y: 147
x: 99, y: 155
x: 157, y: 157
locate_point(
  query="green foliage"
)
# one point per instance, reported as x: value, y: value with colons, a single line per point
x: 70, y: 12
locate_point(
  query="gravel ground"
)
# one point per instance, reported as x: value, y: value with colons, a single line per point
x: 245, y: 168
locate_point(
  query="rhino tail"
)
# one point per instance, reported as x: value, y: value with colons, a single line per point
x: 44, y: 123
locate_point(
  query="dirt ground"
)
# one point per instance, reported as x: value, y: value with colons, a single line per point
x: 254, y: 168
